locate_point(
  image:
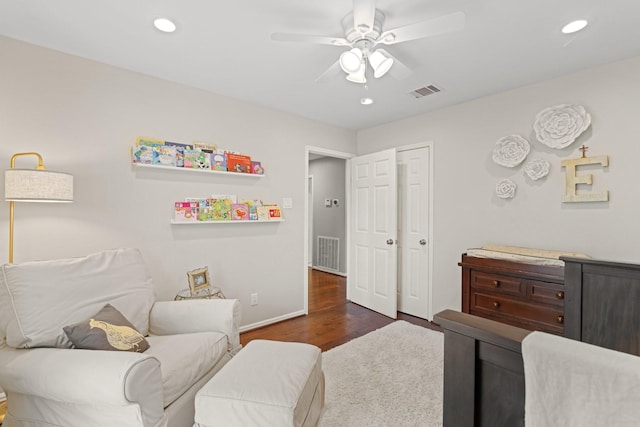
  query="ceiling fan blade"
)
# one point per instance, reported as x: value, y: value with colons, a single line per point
x: 432, y: 27
x: 364, y: 13
x: 398, y: 70
x: 285, y: 37
x: 330, y: 73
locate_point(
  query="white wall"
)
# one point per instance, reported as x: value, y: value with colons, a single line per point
x: 329, y: 183
x: 467, y: 213
x: 83, y: 116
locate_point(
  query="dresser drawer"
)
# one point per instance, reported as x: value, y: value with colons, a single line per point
x: 518, y: 311
x: 545, y: 293
x: 497, y: 283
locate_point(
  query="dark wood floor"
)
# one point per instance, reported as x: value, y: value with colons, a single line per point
x: 331, y: 321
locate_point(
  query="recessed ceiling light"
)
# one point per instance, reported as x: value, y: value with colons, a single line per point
x: 366, y: 101
x: 164, y: 25
x: 574, y: 26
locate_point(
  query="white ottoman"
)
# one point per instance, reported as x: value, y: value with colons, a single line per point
x: 267, y: 384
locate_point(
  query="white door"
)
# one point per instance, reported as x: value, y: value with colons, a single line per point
x: 413, y: 232
x: 310, y: 219
x: 373, y: 261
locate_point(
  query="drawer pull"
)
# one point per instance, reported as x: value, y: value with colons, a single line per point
x: 560, y: 294
x: 560, y: 319
x: 496, y: 304
x: 495, y: 283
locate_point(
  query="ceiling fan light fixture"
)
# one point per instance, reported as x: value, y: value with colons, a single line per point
x: 358, y: 76
x: 380, y: 63
x: 351, y: 60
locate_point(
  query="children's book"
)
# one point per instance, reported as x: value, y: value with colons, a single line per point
x: 274, y: 212
x: 253, y: 208
x: 203, y: 208
x: 239, y: 212
x: 221, y: 210
x: 232, y: 197
x: 164, y: 155
x: 179, y: 152
x: 205, y: 146
x: 141, y: 140
x: 142, y: 154
x: 219, y: 161
x: 263, y: 213
x: 185, y: 211
x: 196, y: 159
x: 238, y: 163
x: 256, y: 168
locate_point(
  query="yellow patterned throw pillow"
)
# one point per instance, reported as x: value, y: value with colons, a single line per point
x: 107, y: 330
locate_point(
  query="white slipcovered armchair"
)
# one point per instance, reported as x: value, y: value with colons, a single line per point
x: 49, y: 383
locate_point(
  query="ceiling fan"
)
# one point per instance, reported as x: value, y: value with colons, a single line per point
x: 363, y: 34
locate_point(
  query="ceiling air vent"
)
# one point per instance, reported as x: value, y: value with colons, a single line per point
x: 424, y: 91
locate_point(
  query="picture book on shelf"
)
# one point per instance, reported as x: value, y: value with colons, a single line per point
x: 232, y: 197
x: 179, y: 151
x: 221, y: 210
x: 253, y: 208
x: 256, y: 168
x: 141, y: 140
x: 164, y: 155
x: 204, y: 212
x: 263, y: 213
x: 218, y: 161
x: 185, y: 211
x: 239, y: 212
x: 274, y: 212
x: 238, y: 163
x: 196, y: 159
x: 143, y: 154
x: 205, y: 146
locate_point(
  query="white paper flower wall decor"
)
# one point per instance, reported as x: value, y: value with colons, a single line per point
x: 559, y: 126
x: 537, y: 168
x: 511, y: 150
x: 506, y: 189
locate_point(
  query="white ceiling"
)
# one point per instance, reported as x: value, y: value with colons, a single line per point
x: 225, y: 47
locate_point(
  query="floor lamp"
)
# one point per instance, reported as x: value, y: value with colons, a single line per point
x: 34, y: 185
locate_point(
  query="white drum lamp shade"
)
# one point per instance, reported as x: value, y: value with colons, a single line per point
x: 32, y: 185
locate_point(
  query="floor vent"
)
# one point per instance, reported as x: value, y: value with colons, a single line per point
x: 424, y: 91
x: 328, y: 253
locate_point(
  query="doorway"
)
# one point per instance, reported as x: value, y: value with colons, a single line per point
x: 326, y: 206
x: 412, y: 284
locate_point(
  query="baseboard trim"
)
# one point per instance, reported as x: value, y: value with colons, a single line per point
x: 271, y: 321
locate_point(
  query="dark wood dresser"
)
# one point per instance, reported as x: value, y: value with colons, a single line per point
x: 484, y: 382
x: 529, y: 296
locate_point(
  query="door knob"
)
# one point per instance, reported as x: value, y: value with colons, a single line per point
x: 422, y: 242
x: 389, y: 241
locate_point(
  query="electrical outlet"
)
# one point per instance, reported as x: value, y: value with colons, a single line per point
x: 254, y: 299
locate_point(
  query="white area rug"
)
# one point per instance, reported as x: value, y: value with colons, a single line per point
x: 389, y: 377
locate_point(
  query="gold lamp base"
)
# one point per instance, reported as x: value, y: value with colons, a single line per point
x: 3, y: 410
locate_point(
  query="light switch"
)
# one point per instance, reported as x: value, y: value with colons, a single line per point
x: 287, y: 203
x: 327, y: 203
